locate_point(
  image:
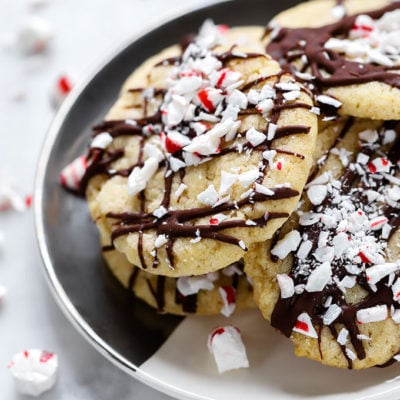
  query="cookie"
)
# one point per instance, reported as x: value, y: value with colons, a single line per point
x: 206, y: 154
x: 316, y: 13
x: 221, y: 292
x: 330, y: 279
x: 351, y: 65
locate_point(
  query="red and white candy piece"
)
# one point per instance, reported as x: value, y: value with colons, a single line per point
x: 34, y: 371
x: 209, y: 98
x: 34, y: 36
x: 226, y: 345
x: 228, y: 296
x: 60, y: 90
x: 363, y: 26
x: 304, y: 326
x: 379, y: 164
x: 372, y: 314
x: 72, y: 174
x: 224, y: 78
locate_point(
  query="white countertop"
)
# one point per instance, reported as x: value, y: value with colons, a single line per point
x: 84, y: 33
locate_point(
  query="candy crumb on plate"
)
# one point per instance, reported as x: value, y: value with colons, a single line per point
x: 227, y: 347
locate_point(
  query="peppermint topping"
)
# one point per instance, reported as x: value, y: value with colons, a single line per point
x: 226, y: 345
x: 305, y: 326
x: 188, y: 285
x: 355, y: 49
x: 192, y: 120
x: 371, y: 41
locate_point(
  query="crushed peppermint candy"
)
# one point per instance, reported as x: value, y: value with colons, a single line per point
x: 226, y: 345
x: 372, y: 314
x: 34, y: 36
x: 228, y: 296
x: 290, y: 242
x: 188, y: 285
x: 34, y: 371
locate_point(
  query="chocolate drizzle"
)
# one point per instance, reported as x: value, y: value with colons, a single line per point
x: 287, y: 310
x: 329, y: 68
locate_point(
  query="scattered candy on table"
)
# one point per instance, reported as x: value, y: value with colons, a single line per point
x: 34, y: 371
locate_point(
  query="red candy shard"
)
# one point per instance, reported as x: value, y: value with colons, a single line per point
x: 64, y: 85
x: 302, y: 326
x: 172, y: 146
x: 203, y: 96
x: 364, y: 258
x: 45, y: 356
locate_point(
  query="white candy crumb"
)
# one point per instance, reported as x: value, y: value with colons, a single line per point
x: 324, y: 99
x: 226, y: 345
x: 286, y: 285
x: 101, y: 141
x: 372, y: 314
x: 138, y: 178
x: 160, y: 240
x: 34, y: 36
x: 343, y: 336
x: 331, y: 314
x: 160, y: 212
x: 188, y: 285
x: 319, y: 278
x: 287, y: 244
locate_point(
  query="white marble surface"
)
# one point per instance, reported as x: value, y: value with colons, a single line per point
x: 84, y: 33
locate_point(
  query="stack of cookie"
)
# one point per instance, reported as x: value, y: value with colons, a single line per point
x: 195, y: 177
x: 200, y: 157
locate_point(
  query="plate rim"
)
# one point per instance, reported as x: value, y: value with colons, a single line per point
x: 56, y: 288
